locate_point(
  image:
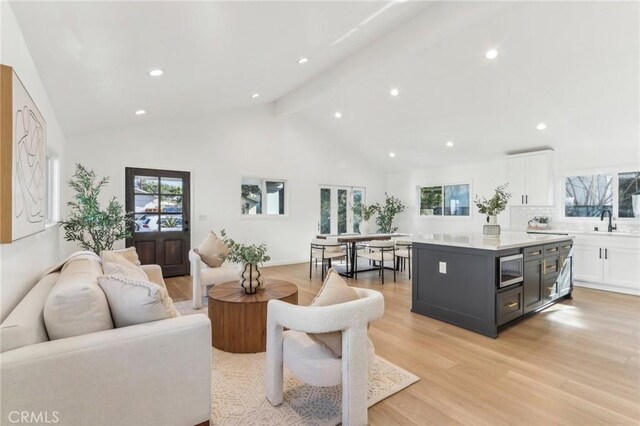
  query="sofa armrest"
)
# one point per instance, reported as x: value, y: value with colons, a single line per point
x: 154, y: 273
x: 196, y: 279
x: 147, y: 374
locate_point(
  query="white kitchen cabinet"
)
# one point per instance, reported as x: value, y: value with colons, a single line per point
x: 530, y: 178
x: 607, y: 263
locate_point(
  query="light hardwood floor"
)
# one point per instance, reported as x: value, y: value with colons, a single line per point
x: 575, y: 363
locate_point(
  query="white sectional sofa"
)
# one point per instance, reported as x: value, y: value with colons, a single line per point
x: 156, y: 373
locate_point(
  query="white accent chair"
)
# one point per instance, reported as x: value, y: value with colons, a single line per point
x: 403, y: 255
x: 313, y: 363
x: 204, y: 276
x: 380, y: 252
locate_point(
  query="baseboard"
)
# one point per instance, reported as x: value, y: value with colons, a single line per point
x: 607, y: 287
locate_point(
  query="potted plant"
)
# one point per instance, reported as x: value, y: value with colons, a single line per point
x: 492, y: 207
x: 250, y: 256
x: 386, y: 213
x: 365, y: 213
x: 92, y: 227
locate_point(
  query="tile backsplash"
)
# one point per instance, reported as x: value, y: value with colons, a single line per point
x: 521, y: 215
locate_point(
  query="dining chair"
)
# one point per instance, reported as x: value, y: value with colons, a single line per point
x: 378, y: 252
x: 403, y: 255
x: 327, y: 251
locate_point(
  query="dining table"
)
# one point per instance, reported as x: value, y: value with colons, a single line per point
x: 352, y: 241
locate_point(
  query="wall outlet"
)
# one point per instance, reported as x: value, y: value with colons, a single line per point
x: 443, y: 267
x: 202, y: 217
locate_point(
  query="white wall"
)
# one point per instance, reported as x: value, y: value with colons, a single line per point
x: 219, y: 150
x: 23, y: 261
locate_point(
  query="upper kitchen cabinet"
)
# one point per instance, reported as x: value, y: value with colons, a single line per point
x: 530, y: 178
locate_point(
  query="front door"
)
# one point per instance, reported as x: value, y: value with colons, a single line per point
x: 160, y: 200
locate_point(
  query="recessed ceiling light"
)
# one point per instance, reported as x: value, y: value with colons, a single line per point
x: 338, y: 114
x: 394, y: 92
x: 303, y: 60
x: 141, y: 112
x: 392, y: 154
x: 449, y: 144
x: 156, y: 73
x: 255, y: 95
x: 541, y: 126
x: 491, y: 54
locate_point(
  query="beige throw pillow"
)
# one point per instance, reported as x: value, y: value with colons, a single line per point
x: 335, y: 290
x: 129, y: 253
x: 212, y: 250
x: 122, y: 267
x: 136, y: 302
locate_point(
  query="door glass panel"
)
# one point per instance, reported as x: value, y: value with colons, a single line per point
x: 146, y: 203
x: 342, y: 211
x: 171, y: 222
x: 170, y: 185
x: 325, y: 211
x: 145, y: 185
x: 358, y: 196
x: 275, y: 197
x: 146, y: 223
x: 171, y: 203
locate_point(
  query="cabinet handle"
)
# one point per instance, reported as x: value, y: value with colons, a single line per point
x: 552, y: 250
x: 534, y: 253
x: 566, y: 247
x: 544, y: 266
x: 512, y: 305
x: 599, y: 253
x: 522, y: 199
x: 526, y: 199
x: 606, y: 254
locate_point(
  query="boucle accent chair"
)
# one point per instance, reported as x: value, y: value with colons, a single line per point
x: 204, y: 276
x: 313, y: 363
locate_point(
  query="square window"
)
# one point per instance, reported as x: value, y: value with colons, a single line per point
x: 588, y: 196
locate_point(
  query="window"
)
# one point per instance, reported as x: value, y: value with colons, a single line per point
x: 158, y: 203
x: 262, y: 197
x: 587, y: 196
x: 628, y: 185
x: 336, y: 209
x: 445, y: 200
x: 52, y: 200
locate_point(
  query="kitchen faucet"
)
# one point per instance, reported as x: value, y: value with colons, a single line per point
x: 611, y: 227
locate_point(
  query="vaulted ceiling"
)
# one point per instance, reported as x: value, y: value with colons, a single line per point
x: 571, y: 65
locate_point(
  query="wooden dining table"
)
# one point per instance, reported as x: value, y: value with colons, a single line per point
x: 353, y: 239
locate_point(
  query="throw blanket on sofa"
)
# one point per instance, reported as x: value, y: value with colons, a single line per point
x: 77, y: 255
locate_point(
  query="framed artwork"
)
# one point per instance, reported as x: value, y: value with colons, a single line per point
x: 23, y: 138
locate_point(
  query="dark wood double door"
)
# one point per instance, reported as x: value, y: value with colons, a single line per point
x: 160, y: 200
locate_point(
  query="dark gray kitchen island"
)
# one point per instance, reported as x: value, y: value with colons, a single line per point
x: 487, y: 284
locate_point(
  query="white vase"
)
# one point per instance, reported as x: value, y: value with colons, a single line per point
x: 251, y: 279
x: 635, y: 203
x: 365, y: 227
x: 492, y: 229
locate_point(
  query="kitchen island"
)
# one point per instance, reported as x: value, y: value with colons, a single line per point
x: 487, y: 284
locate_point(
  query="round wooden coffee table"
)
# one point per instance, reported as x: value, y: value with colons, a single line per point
x: 239, y: 320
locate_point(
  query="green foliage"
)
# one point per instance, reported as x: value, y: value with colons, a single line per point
x: 431, y: 198
x: 243, y: 253
x: 93, y: 228
x: 364, y: 211
x: 386, y: 213
x: 495, y: 204
x: 169, y: 222
x: 152, y: 188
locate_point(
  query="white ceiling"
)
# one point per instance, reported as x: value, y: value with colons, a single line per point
x: 573, y: 65
x: 94, y: 56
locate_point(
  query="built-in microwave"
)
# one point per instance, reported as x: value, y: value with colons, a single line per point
x: 511, y: 270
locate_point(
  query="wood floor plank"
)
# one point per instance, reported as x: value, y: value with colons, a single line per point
x: 577, y: 363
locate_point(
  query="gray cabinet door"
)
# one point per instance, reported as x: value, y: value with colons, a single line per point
x: 532, y: 285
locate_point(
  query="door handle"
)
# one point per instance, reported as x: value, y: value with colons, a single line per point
x: 600, y: 253
x: 606, y: 254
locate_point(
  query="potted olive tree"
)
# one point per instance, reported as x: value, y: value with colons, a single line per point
x: 492, y: 207
x: 250, y: 256
x: 387, y: 212
x: 92, y: 227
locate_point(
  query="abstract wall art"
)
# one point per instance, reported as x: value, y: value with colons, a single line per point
x: 23, y: 137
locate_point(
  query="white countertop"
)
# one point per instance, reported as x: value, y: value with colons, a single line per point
x: 507, y: 240
x: 581, y: 232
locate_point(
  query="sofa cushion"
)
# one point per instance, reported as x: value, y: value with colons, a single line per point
x: 128, y: 253
x: 212, y: 250
x: 334, y: 290
x: 77, y: 305
x: 136, y: 302
x: 25, y: 324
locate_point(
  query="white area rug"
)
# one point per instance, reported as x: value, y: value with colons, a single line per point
x: 237, y: 384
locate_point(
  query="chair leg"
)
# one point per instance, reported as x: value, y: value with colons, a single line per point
x: 409, y: 262
x: 274, y: 364
x: 354, y: 377
x: 381, y: 270
x: 310, y: 262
